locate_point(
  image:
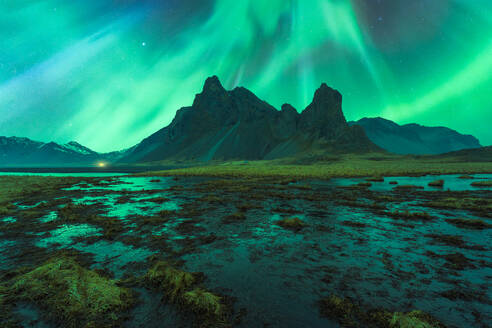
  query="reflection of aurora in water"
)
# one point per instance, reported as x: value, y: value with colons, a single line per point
x: 135, y: 63
x: 279, y: 275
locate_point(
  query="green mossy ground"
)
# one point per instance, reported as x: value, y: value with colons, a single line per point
x: 482, y: 184
x: 223, y: 200
x: 72, y: 295
x: 183, y: 289
x: 369, y: 165
x: 294, y: 224
x: 482, y: 206
x: 437, y: 184
x: 408, y: 215
x: 172, y: 281
x: 349, y: 314
x: 470, y: 223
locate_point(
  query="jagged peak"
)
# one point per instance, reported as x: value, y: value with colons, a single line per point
x: 212, y: 84
x: 288, y: 108
x: 324, y: 93
x: 212, y: 92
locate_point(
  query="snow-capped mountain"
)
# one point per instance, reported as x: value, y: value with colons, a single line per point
x: 15, y: 151
x: 415, y: 139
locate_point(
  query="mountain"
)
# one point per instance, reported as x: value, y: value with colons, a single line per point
x: 413, y: 138
x: 483, y: 154
x: 16, y: 151
x: 223, y: 125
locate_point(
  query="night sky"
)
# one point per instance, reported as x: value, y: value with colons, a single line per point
x: 108, y: 73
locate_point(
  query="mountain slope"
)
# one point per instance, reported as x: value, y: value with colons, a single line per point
x: 16, y: 151
x: 413, y: 138
x: 223, y: 125
x: 483, y: 154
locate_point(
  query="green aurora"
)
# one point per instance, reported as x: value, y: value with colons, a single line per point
x: 109, y: 73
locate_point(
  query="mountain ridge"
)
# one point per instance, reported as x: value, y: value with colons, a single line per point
x: 414, y: 138
x: 21, y: 151
x: 236, y: 124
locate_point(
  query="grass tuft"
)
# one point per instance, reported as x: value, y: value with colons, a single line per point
x: 436, y: 183
x: 349, y: 314
x: 172, y: 281
x: 295, y: 224
x: 482, y: 184
x: 203, y: 302
x: 72, y: 294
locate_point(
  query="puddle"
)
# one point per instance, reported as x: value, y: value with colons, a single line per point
x: 451, y: 182
x: 8, y: 219
x: 113, y: 256
x: 64, y: 234
x: 52, y: 216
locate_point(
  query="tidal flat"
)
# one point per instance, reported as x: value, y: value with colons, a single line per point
x: 195, y: 251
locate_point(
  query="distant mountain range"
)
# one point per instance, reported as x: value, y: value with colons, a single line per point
x: 415, y: 139
x: 16, y: 151
x: 483, y: 154
x: 225, y: 125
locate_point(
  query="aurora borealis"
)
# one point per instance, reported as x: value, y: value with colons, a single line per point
x: 109, y: 73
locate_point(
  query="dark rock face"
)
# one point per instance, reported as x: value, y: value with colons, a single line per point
x: 324, y: 116
x: 413, y: 138
x: 236, y: 124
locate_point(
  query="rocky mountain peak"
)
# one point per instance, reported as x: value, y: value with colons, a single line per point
x: 288, y: 109
x: 213, y: 85
x: 327, y: 99
x: 237, y: 124
x: 212, y: 96
x: 324, y: 115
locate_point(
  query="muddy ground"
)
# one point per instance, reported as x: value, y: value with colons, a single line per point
x: 203, y: 252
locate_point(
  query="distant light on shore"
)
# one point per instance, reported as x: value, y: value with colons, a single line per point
x: 101, y: 164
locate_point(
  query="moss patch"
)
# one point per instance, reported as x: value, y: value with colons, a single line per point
x: 182, y: 288
x: 73, y: 295
x: 344, y: 166
x: 295, y: 224
x: 375, y: 179
x: 482, y: 184
x: 349, y: 314
x: 470, y: 223
x: 414, y: 319
x: 340, y: 309
x: 480, y: 205
x: 169, y: 279
x: 203, y: 302
x: 437, y: 183
x: 235, y: 217
x: 451, y: 240
x: 407, y: 215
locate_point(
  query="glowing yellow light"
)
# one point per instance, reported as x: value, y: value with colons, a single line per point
x: 101, y: 164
